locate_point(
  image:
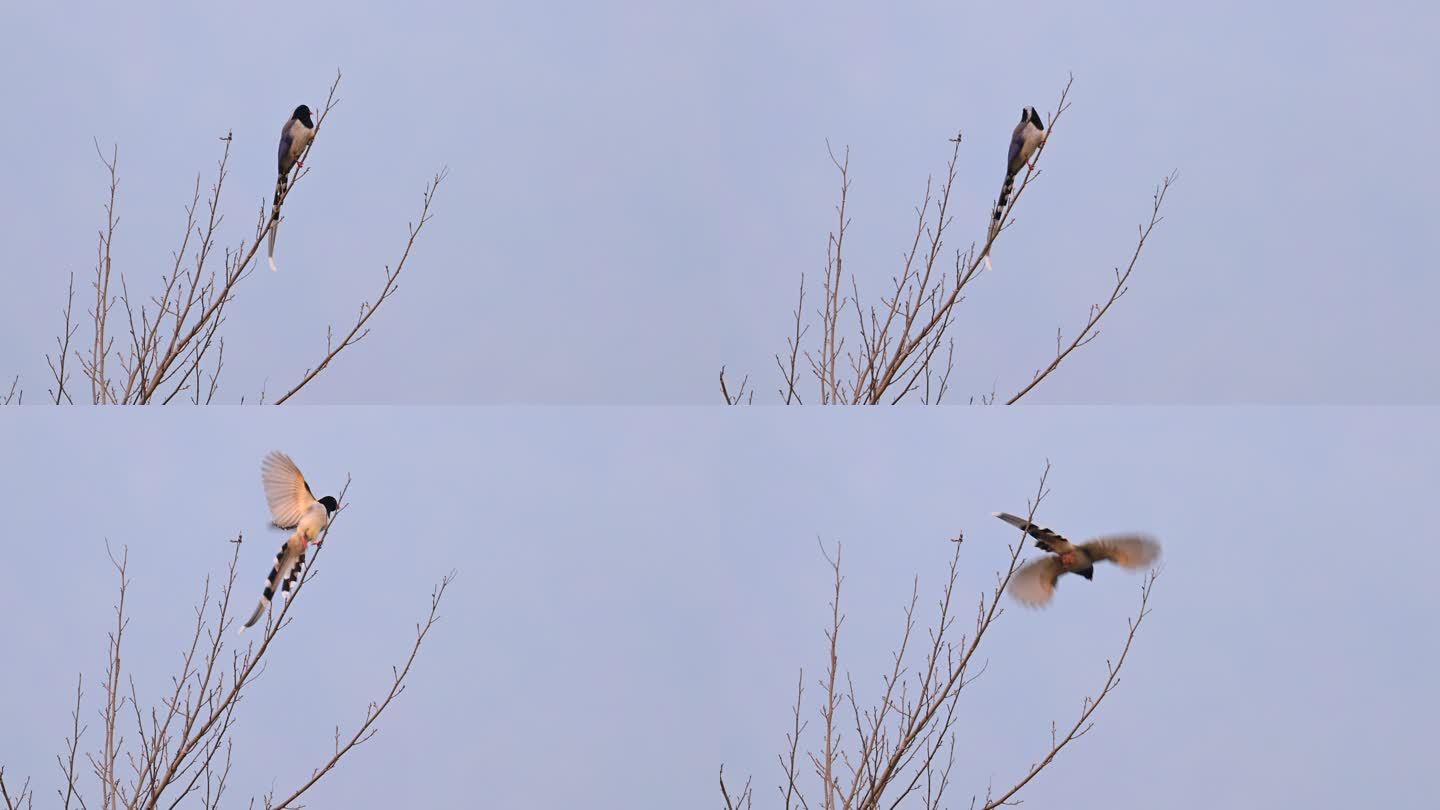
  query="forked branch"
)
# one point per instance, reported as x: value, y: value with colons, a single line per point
x: 1097, y: 311
x: 358, y: 332
x: 372, y: 713
x: 1083, y: 724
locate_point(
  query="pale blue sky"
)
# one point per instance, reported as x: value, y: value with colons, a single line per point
x: 639, y: 587
x: 636, y: 186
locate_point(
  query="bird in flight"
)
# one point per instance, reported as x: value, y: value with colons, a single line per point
x: 1028, y: 136
x: 297, y: 134
x: 292, y: 506
x: 1034, y: 583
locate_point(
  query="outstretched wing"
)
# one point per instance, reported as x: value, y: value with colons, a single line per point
x: 1045, y: 539
x: 285, y: 489
x: 1125, y: 550
x: 1034, y: 583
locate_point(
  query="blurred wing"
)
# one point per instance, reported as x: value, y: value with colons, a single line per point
x: 1125, y: 550
x: 1047, y: 539
x: 1034, y: 583
x: 285, y: 489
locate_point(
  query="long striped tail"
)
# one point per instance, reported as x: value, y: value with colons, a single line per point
x: 275, y: 219
x: 284, y: 574
x: 998, y: 215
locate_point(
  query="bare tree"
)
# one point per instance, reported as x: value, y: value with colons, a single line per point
x: 181, y: 748
x: 899, y: 750
x: 171, y: 342
x: 900, y: 347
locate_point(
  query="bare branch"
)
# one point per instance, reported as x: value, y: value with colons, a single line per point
x: 791, y: 789
x: 740, y: 394
x: 175, y: 340
x: 901, y: 345
x: 367, y: 309
x: 100, y: 389
x: 25, y: 798
x: 67, y: 763
x: 899, y: 749
x: 104, y: 763
x: 15, y: 394
x: 789, y: 370
x: 1097, y: 311
x: 1082, y: 722
x: 826, y: 767
x: 57, y: 364
x: 213, y: 711
x: 832, y: 342
x: 741, y: 799
x: 397, y: 685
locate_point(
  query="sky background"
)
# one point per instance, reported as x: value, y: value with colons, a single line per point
x: 638, y: 589
x: 636, y: 187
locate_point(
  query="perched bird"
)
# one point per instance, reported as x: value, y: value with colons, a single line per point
x: 1028, y: 136
x: 292, y: 506
x: 1034, y: 583
x: 294, y: 137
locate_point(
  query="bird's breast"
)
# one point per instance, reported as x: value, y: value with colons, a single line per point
x: 300, y: 137
x: 313, y: 522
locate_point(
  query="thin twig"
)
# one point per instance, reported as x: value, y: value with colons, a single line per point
x: 397, y: 685
x: 1097, y: 311
x: 1082, y: 723
x: 367, y: 310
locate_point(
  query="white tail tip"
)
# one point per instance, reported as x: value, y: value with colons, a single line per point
x: 988, y: 265
x: 272, y: 264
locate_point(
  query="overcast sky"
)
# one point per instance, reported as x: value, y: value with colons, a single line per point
x: 634, y: 190
x: 638, y: 589
x: 636, y: 186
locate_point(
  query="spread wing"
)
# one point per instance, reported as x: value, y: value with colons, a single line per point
x: 1034, y: 583
x: 1125, y: 550
x: 285, y: 489
x: 1045, y: 539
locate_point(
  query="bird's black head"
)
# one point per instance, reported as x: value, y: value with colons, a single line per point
x: 302, y: 114
x: 331, y: 505
x: 1088, y: 573
x: 1030, y: 114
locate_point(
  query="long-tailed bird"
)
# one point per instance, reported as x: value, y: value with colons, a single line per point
x: 1034, y: 583
x: 292, y: 506
x: 1028, y: 136
x: 294, y: 137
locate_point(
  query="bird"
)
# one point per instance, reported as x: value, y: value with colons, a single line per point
x: 1034, y: 582
x: 1028, y: 136
x: 297, y: 134
x: 292, y: 506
